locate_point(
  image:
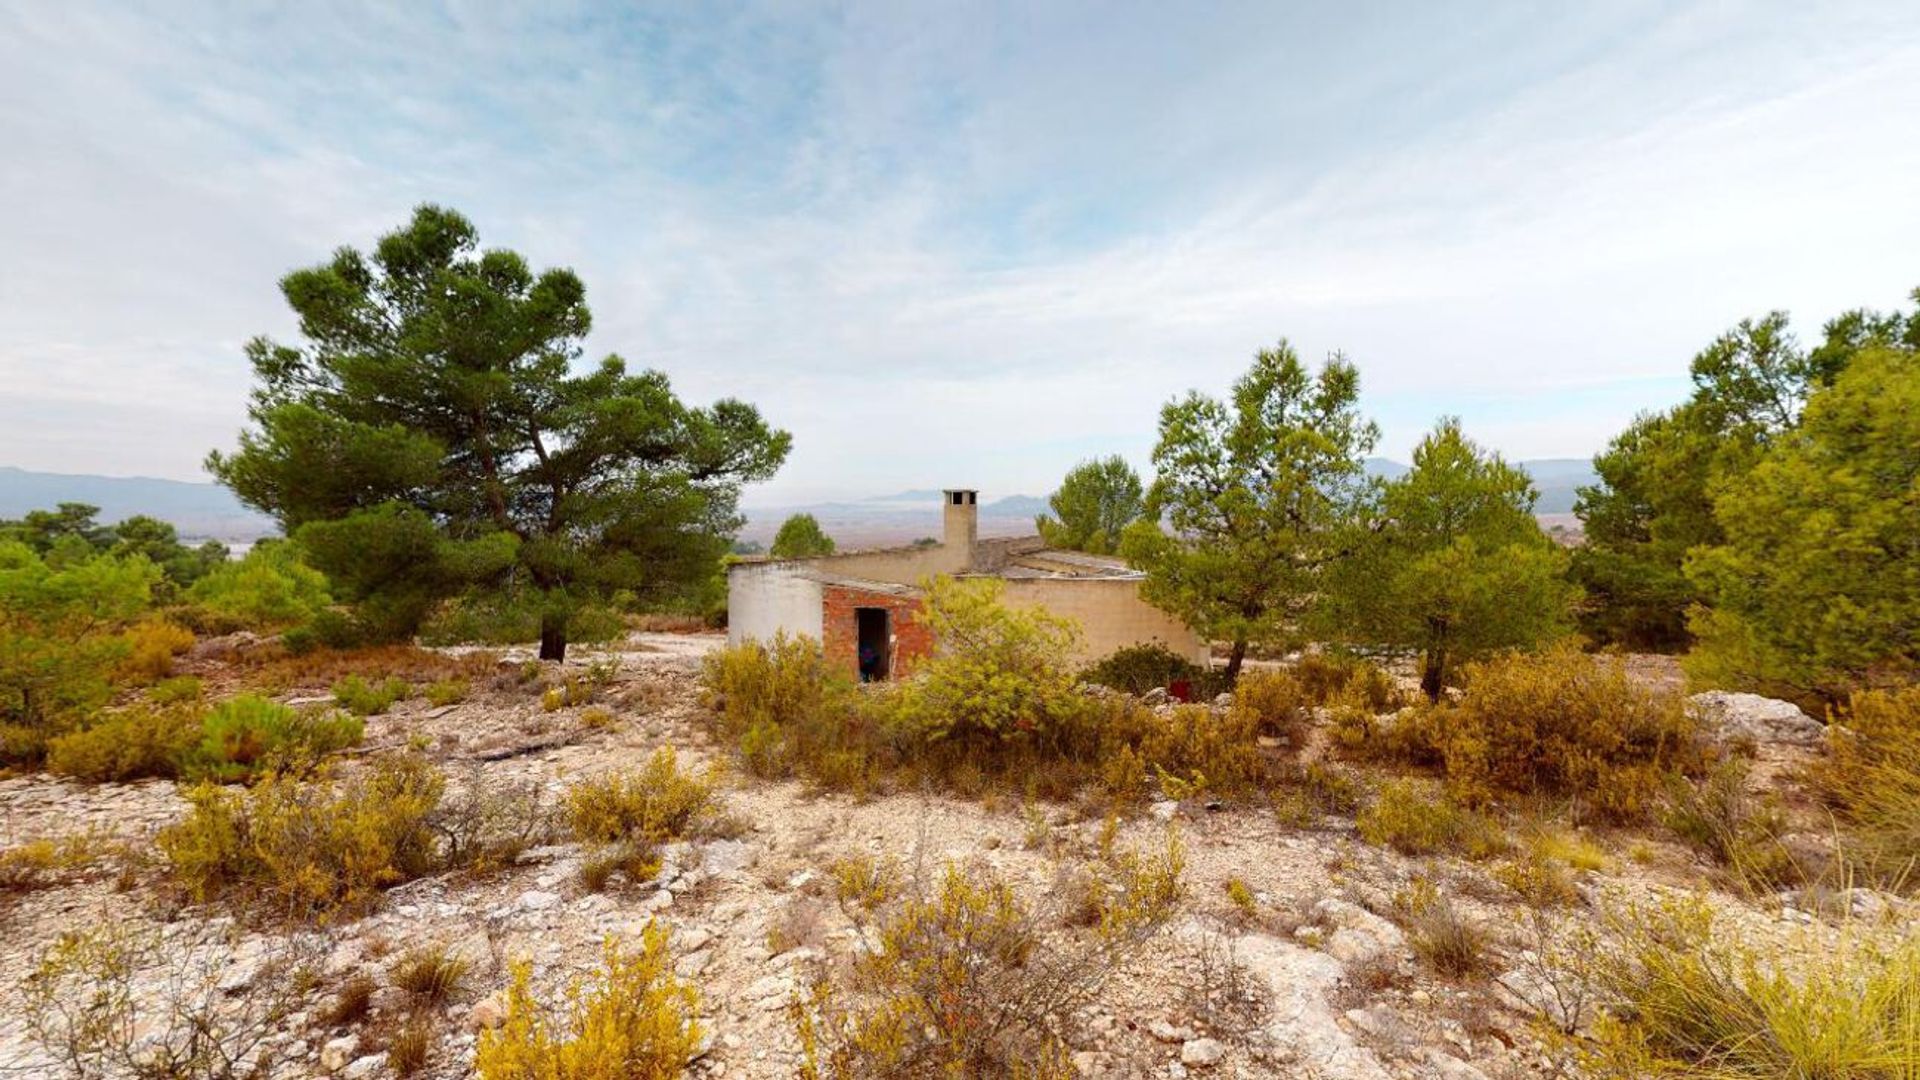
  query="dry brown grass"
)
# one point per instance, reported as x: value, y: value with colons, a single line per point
x: 277, y: 671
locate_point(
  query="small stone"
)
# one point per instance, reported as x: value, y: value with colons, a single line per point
x: 364, y: 1067
x: 1202, y: 1053
x: 693, y: 964
x: 1164, y: 810
x: 488, y: 1013
x: 1167, y: 1033
x: 335, y: 1053
x: 538, y: 900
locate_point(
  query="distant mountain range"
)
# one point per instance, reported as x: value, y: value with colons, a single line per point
x: 910, y: 515
x: 202, y: 510
x: 199, y: 511
x: 1557, y: 479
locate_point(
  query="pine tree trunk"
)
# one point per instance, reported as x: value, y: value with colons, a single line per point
x: 1432, y: 675
x: 1234, y: 660
x: 553, y: 636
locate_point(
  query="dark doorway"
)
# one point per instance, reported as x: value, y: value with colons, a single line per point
x: 873, y: 643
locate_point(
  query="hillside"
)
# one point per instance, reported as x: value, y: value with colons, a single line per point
x: 199, y: 511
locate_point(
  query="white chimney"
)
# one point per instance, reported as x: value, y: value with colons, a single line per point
x: 962, y: 520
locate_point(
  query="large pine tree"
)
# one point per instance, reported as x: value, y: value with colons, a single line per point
x: 431, y: 434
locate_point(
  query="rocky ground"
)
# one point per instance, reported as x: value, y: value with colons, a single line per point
x: 1316, y: 979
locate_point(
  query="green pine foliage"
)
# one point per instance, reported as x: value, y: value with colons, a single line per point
x: 431, y: 437
x: 64, y: 624
x: 1454, y: 566
x: 1095, y: 503
x: 1815, y: 589
x: 801, y: 537
x: 1254, y: 500
x: 269, y: 590
x: 1658, y: 499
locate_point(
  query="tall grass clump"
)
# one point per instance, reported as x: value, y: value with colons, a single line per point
x: 631, y: 1020
x: 1872, y: 778
x: 1687, y: 996
x: 128, y: 744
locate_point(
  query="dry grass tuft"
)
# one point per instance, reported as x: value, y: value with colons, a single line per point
x: 1439, y: 934
x: 430, y: 973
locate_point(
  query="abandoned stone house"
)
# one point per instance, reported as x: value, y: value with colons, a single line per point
x: 864, y: 606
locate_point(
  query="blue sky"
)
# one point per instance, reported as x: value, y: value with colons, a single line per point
x: 962, y: 244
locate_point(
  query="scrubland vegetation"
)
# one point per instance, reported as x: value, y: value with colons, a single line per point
x: 1410, y: 825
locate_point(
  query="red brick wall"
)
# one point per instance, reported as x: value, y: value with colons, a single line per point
x: 912, y: 640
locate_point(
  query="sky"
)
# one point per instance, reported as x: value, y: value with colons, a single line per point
x: 961, y: 245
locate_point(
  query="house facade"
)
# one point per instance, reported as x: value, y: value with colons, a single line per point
x: 864, y: 607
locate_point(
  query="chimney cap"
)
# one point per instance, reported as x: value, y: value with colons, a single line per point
x: 961, y: 496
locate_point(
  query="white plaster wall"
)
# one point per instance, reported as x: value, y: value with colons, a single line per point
x: 764, y: 599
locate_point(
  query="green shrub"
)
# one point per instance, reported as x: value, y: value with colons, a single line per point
x: 788, y: 712
x: 245, y: 735
x: 774, y: 700
x: 1275, y: 703
x: 656, y: 803
x: 1718, y: 817
x: 1243, y: 899
x: 268, y: 590
x: 362, y: 698
x: 63, y: 640
x: 446, y: 692
x: 175, y: 691
x: 999, y: 673
x: 1193, y: 750
x: 1325, y: 677
x: 230, y: 742
x: 151, y: 646
x: 632, y: 1021
x: 308, y: 847
x: 1302, y: 795
x: 51, y: 861
x: 1558, y: 723
x: 508, y: 619
x: 1137, y: 669
x: 127, y: 745
x: 1419, y: 819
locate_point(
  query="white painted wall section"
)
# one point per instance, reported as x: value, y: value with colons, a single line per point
x: 765, y: 599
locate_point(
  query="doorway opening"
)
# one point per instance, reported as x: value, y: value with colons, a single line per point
x: 874, y: 642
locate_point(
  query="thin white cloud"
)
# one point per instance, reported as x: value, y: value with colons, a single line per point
x: 966, y: 245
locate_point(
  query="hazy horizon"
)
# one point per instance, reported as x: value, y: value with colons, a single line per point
x: 968, y: 244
